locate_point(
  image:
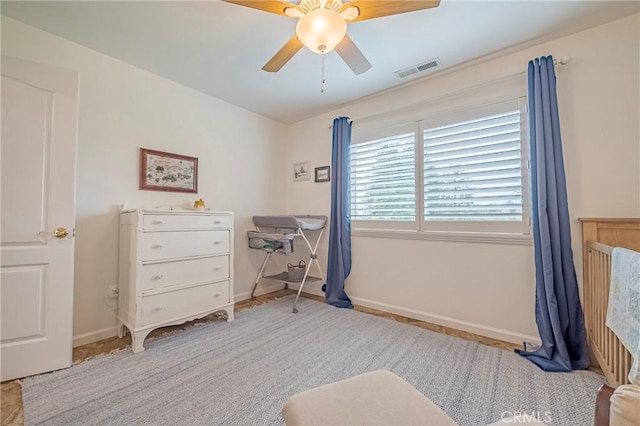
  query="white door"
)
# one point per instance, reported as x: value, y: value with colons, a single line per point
x: 38, y: 152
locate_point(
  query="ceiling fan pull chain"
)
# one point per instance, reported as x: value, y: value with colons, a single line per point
x: 323, y: 77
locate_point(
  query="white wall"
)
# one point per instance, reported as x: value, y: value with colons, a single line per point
x: 485, y: 288
x: 489, y: 288
x: 123, y: 108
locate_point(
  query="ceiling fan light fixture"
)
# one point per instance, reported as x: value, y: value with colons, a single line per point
x: 321, y: 30
x: 350, y: 13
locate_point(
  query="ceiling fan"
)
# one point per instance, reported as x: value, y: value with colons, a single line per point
x: 322, y: 25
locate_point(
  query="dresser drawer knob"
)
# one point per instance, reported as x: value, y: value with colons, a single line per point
x: 157, y: 246
x: 217, y: 268
x: 158, y: 277
x: 158, y: 308
x: 217, y: 222
x: 218, y: 294
x: 158, y: 222
x: 216, y: 243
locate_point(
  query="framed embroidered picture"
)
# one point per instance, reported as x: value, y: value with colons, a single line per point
x: 164, y: 171
x: 323, y: 174
x: 301, y: 171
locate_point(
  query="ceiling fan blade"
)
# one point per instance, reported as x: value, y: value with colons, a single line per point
x: 273, y: 6
x: 354, y: 58
x: 370, y: 9
x: 284, y: 54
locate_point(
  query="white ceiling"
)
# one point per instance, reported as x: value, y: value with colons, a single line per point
x: 219, y: 48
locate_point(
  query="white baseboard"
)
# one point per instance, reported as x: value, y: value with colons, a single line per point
x: 314, y: 288
x: 105, y: 333
x: 482, y: 330
x: 94, y: 336
x: 262, y: 289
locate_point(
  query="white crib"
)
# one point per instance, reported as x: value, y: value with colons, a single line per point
x: 276, y: 234
x: 600, y: 236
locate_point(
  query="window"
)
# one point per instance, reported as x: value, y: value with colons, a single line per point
x: 383, y: 179
x: 457, y: 171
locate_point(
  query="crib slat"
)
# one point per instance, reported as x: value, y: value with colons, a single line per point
x: 613, y: 357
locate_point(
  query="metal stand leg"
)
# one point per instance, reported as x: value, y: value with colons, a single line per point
x: 295, y: 302
x: 313, y: 257
x: 264, y: 264
x: 306, y: 273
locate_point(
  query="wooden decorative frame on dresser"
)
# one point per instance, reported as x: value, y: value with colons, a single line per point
x: 599, y: 237
x: 175, y: 266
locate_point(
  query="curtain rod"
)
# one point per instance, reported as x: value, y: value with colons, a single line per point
x: 562, y: 61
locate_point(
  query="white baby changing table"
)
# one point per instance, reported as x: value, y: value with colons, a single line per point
x: 276, y: 234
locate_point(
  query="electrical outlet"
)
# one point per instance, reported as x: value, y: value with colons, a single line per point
x: 113, y: 292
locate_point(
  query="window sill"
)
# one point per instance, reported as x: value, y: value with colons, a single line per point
x: 465, y: 237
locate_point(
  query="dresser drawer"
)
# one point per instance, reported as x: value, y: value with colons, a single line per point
x: 173, y: 245
x: 156, y: 222
x: 174, y: 305
x: 192, y: 271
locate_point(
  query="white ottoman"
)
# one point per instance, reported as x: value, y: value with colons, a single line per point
x: 375, y: 398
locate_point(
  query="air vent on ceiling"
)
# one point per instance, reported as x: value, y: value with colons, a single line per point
x: 433, y: 63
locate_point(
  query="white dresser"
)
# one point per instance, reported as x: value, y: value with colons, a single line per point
x: 175, y: 266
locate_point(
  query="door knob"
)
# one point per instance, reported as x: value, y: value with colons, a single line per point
x: 58, y: 232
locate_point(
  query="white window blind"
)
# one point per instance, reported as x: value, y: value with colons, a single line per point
x: 457, y: 172
x: 473, y: 170
x: 383, y: 179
